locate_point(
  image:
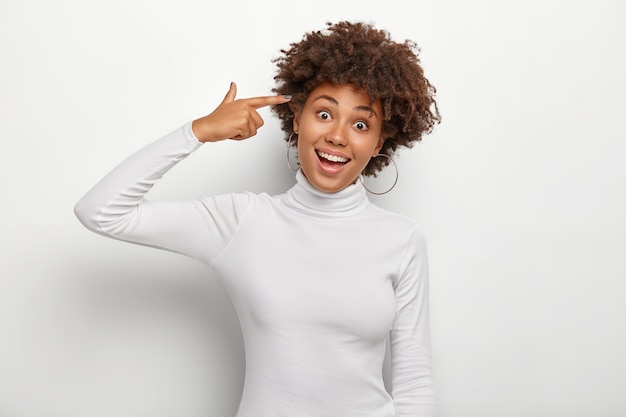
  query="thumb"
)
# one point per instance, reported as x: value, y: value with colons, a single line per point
x: 232, y: 93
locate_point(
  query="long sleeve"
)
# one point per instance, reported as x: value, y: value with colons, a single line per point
x: 116, y: 206
x: 412, y: 377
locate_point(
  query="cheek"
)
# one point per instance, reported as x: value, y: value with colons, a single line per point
x: 310, y: 132
x: 372, y: 148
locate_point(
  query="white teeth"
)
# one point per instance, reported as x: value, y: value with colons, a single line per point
x: 332, y: 158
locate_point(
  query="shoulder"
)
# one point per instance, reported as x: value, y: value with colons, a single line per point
x: 399, y: 236
x: 397, y: 223
x: 239, y: 201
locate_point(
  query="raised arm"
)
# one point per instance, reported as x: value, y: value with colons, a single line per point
x: 116, y: 205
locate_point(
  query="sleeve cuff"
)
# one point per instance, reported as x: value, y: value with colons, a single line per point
x: 190, y: 137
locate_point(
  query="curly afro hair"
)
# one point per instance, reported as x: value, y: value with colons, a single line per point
x: 360, y: 55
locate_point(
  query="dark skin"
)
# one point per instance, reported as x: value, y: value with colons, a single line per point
x: 339, y: 130
x: 235, y: 119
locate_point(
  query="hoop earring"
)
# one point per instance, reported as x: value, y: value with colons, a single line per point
x: 395, y: 181
x: 288, y: 149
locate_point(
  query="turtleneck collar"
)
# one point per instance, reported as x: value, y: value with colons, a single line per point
x: 306, y: 198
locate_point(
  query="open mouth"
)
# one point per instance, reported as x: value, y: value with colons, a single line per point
x: 331, y: 161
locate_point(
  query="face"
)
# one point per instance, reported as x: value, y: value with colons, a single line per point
x: 339, y: 130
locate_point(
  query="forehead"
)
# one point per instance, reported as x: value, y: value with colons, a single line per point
x: 343, y: 94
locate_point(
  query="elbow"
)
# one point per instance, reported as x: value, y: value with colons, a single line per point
x: 87, y: 215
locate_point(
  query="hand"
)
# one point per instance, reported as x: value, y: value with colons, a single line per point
x: 234, y: 119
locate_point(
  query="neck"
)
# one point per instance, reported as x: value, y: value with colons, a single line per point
x: 343, y: 203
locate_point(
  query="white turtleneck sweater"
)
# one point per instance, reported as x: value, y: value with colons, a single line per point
x: 319, y: 280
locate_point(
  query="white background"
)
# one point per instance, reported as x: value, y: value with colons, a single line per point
x: 521, y: 192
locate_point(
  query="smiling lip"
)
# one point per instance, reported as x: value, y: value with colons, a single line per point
x: 332, y: 155
x: 331, y: 162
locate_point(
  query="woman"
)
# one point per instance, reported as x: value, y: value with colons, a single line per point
x: 318, y: 275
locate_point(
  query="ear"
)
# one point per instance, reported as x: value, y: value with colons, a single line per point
x: 296, y: 122
x: 379, y: 146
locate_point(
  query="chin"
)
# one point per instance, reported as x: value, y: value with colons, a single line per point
x: 327, y: 185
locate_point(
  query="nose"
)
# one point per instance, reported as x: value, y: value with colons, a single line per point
x: 337, y: 136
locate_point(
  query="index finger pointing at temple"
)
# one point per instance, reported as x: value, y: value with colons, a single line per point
x: 258, y: 102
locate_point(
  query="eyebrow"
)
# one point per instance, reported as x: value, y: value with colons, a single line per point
x: 359, y: 108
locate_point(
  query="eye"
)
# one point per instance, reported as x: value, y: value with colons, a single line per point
x: 361, y: 125
x: 323, y: 114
